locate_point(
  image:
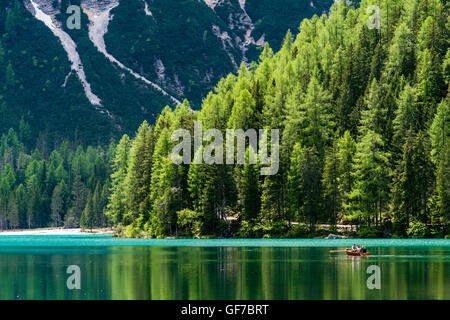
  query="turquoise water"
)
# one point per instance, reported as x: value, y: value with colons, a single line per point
x: 34, y: 267
x: 108, y: 241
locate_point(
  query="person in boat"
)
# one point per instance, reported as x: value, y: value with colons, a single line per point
x: 358, y: 249
x: 363, y: 249
x: 354, y: 247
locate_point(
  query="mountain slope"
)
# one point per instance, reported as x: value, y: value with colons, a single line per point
x: 127, y: 61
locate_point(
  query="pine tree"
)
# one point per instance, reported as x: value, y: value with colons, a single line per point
x: 315, y: 115
x: 219, y: 194
x: 13, y: 19
x: 413, y: 182
x: 401, y: 53
x: 347, y: 98
x: 97, y: 207
x: 377, y: 63
x: 139, y: 176
x: 408, y: 115
x: 13, y: 212
x: 57, y: 205
x: 305, y: 185
x: 375, y: 115
x: 20, y: 196
x: 87, y: 220
x: 440, y: 130
x: 243, y: 114
x: 212, y: 190
x: 430, y: 85
x: 443, y: 187
x: 104, y: 202
x: 118, y: 195
x: 346, y: 159
x: 10, y: 76
x: 330, y: 182
x: 78, y: 204
x: 432, y: 35
x: 34, y: 202
x: 311, y: 186
x: 269, y: 205
x: 368, y: 197
x: 163, y: 221
x: 24, y: 131
x: 251, y: 190
x: 162, y: 150
x: 196, y: 181
x: 295, y: 195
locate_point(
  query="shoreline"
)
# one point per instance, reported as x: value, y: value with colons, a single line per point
x: 108, y: 231
x: 54, y: 232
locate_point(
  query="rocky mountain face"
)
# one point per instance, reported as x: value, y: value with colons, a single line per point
x: 129, y: 58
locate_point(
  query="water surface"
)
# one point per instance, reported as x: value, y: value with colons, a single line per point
x: 34, y: 267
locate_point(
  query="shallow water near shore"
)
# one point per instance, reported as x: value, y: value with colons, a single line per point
x: 34, y: 267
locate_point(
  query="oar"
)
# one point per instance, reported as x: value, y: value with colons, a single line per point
x: 338, y: 250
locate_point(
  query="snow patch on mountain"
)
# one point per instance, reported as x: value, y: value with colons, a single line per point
x: 69, y: 46
x: 99, y: 20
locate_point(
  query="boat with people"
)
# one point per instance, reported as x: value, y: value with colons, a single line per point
x: 356, y: 250
x: 350, y: 252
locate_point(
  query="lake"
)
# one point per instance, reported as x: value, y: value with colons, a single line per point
x: 35, y: 267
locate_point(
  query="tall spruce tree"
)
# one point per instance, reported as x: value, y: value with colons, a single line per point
x: 117, y: 204
x: 368, y: 198
x: 251, y: 189
x: 138, y: 178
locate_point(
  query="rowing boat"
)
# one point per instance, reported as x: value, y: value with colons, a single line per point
x: 353, y: 253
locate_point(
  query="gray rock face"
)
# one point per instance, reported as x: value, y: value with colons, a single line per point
x: 46, y: 6
x: 99, y: 5
x: 333, y: 236
x: 172, y: 50
x: 51, y: 7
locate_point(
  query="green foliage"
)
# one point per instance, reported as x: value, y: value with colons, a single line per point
x: 418, y: 230
x: 33, y: 69
x: 118, y: 197
x: 131, y: 232
x: 361, y: 114
x: 250, y: 189
x: 441, y: 212
x: 369, y: 232
x: 298, y: 231
x: 43, y: 188
x: 87, y: 220
x: 330, y: 182
x: 138, y: 176
x: 372, y: 175
x: 353, y: 107
x: 263, y: 229
x: 413, y: 181
x: 189, y: 223
x: 440, y: 130
x: 179, y: 47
